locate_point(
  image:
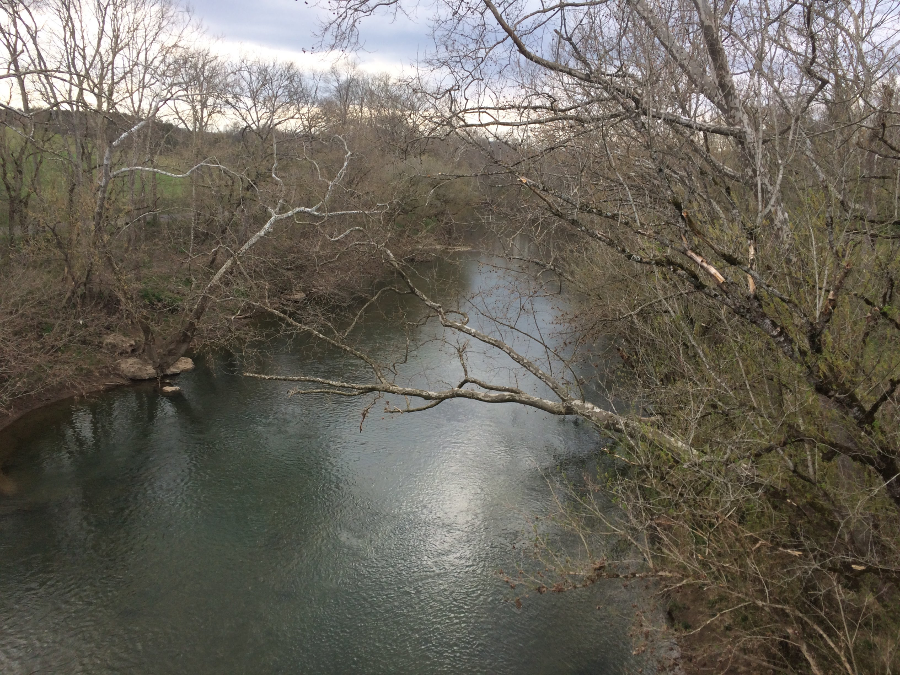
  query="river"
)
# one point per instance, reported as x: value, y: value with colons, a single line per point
x: 234, y: 529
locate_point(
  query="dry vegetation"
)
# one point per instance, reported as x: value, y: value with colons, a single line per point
x: 159, y: 192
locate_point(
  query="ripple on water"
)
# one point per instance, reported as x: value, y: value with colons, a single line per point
x: 236, y: 530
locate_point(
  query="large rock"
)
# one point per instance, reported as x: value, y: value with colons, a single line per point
x: 118, y: 344
x: 137, y: 369
x: 181, y: 365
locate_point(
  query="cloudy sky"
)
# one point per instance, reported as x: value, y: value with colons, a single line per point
x: 285, y: 28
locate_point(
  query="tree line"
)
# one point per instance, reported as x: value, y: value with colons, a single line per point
x: 148, y: 182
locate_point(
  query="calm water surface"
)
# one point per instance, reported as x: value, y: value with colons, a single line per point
x: 233, y: 529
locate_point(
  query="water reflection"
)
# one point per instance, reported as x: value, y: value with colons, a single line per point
x: 236, y: 530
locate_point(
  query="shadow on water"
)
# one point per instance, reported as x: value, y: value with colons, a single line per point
x: 236, y: 530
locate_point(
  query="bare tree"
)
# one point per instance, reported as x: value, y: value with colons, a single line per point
x: 107, y: 78
x: 199, y: 108
x: 20, y: 164
x: 721, y: 182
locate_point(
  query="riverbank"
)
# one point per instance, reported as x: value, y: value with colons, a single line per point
x: 87, y: 385
x: 53, y: 348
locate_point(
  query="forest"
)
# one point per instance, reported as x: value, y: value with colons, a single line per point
x: 716, y: 184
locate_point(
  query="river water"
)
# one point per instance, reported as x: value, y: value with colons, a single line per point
x: 234, y: 529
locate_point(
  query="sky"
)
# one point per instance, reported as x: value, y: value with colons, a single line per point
x: 284, y: 28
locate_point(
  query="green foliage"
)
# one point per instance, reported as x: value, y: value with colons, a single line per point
x: 160, y: 296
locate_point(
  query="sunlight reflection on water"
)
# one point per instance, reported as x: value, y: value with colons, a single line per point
x: 236, y: 530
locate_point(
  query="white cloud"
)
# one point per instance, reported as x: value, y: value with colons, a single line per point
x: 306, y: 61
x: 286, y: 29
